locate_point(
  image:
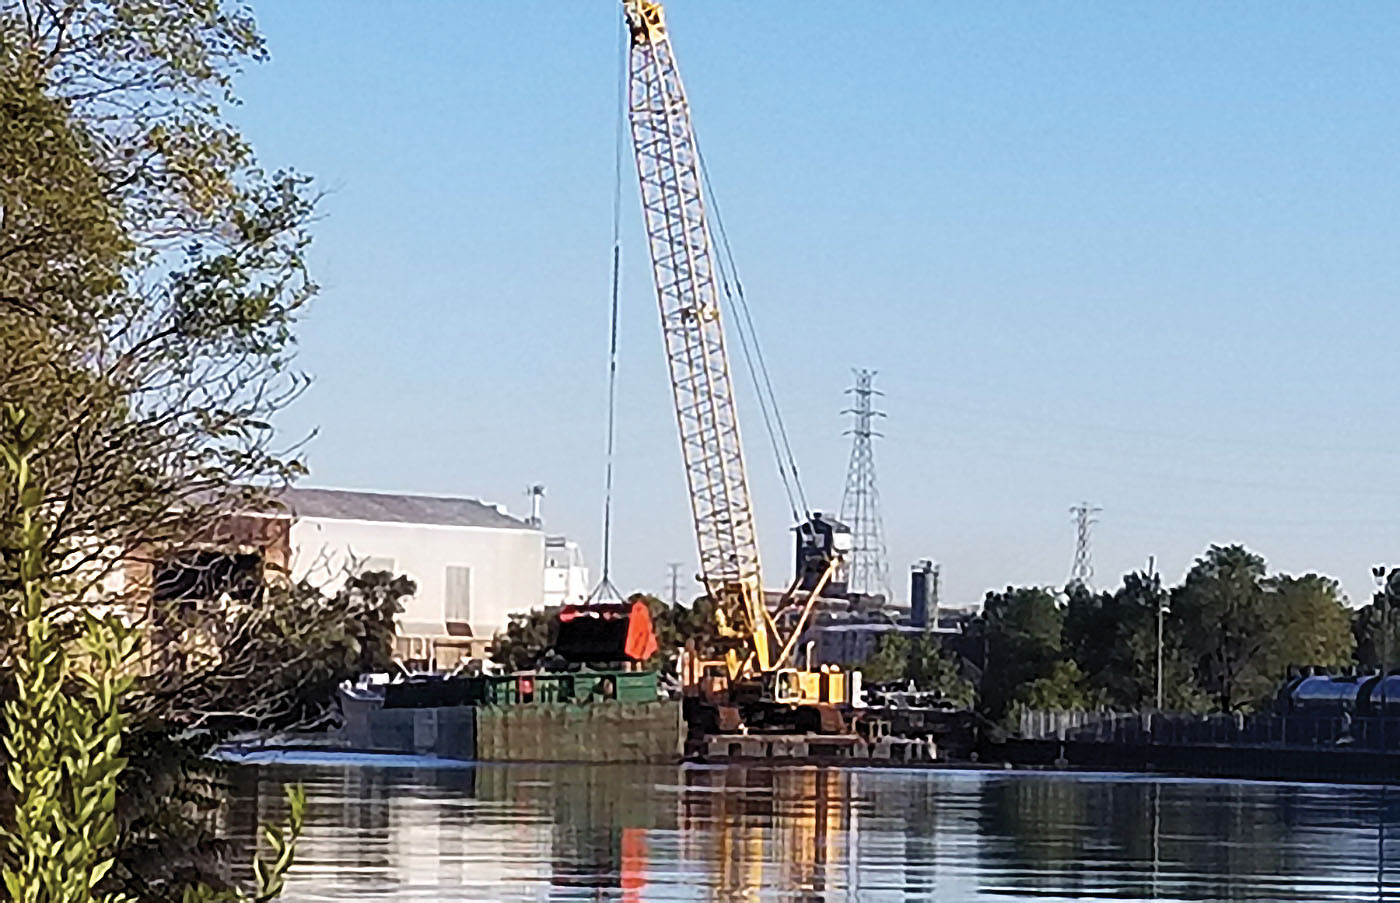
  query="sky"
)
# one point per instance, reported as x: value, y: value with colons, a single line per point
x: 1137, y: 254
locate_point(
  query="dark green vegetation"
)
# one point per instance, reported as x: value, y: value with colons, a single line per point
x: 1229, y: 632
x: 151, y: 275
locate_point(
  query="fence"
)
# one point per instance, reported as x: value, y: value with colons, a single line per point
x: 1184, y: 729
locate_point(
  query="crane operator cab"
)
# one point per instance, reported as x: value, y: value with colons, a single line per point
x: 820, y: 540
x: 828, y: 685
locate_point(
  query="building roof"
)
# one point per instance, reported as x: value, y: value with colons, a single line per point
x: 387, y: 508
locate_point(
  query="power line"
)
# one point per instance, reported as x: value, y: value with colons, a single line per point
x: 860, y: 503
x: 733, y: 289
x: 1082, y: 571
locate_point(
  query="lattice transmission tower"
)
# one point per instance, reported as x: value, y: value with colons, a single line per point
x: 1082, y: 571
x: 860, y: 503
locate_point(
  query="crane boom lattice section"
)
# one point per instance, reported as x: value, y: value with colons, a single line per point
x: 686, y: 275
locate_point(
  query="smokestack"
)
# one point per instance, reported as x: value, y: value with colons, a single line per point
x: 536, y: 494
x: 923, y: 594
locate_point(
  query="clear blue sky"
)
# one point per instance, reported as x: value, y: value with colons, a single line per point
x: 1143, y: 254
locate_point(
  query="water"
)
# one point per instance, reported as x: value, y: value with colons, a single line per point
x: 629, y: 833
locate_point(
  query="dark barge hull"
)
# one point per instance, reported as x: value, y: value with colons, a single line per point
x: 541, y: 732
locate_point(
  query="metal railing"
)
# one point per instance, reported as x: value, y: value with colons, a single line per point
x: 1185, y: 729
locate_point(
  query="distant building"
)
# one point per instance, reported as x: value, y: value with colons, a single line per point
x: 565, y: 574
x: 473, y: 563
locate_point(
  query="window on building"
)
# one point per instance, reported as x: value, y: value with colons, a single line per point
x: 457, y: 603
x: 207, y: 576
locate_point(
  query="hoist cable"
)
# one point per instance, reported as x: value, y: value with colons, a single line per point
x: 756, y: 363
x: 605, y: 588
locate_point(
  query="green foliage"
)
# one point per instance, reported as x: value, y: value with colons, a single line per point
x: 932, y: 667
x: 1021, y: 634
x: 65, y: 727
x: 269, y: 875
x: 1376, y: 627
x: 151, y: 275
x: 1242, y: 629
x: 922, y: 660
x: 889, y: 661
x: 694, y: 624
x: 64, y: 747
x: 1224, y: 623
x: 525, y: 638
x: 1064, y: 687
x: 1310, y: 624
x: 1112, y: 637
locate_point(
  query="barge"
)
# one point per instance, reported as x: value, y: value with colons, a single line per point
x: 577, y: 716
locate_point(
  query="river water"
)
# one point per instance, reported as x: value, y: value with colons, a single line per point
x: 629, y: 833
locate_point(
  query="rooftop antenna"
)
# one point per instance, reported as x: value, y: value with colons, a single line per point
x: 536, y: 494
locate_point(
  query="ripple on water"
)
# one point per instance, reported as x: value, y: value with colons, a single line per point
x: 417, y: 831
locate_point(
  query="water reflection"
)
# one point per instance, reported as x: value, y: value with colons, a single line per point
x: 749, y: 834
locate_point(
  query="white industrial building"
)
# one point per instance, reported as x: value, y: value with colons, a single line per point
x: 565, y: 574
x: 474, y: 564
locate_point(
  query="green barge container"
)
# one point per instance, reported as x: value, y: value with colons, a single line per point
x: 580, y: 716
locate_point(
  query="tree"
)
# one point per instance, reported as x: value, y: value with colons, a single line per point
x: 1021, y: 631
x: 529, y: 635
x: 1093, y: 629
x: 1310, y: 625
x: 1242, y: 629
x: 1224, y: 623
x: 694, y: 625
x: 1376, y: 627
x: 1113, y: 640
x: 525, y: 638
x: 1064, y: 686
x: 65, y: 729
x: 151, y: 274
x: 933, y: 667
x: 889, y: 660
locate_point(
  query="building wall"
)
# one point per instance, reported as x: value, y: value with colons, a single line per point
x: 507, y: 566
x: 565, y: 574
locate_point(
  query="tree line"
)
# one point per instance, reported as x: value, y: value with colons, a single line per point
x: 1229, y: 633
x: 152, y: 275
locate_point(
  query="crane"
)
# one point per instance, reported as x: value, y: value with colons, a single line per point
x: 687, y: 280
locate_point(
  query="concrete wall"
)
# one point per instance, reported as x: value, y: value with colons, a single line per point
x: 507, y: 566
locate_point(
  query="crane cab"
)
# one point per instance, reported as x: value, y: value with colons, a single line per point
x: 828, y: 685
x: 821, y: 540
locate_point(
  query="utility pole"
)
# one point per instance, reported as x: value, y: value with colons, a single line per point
x: 1383, y: 601
x: 1082, y: 571
x: 860, y: 503
x: 1157, y: 592
x: 673, y: 577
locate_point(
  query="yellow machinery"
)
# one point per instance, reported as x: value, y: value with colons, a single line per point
x: 686, y: 272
